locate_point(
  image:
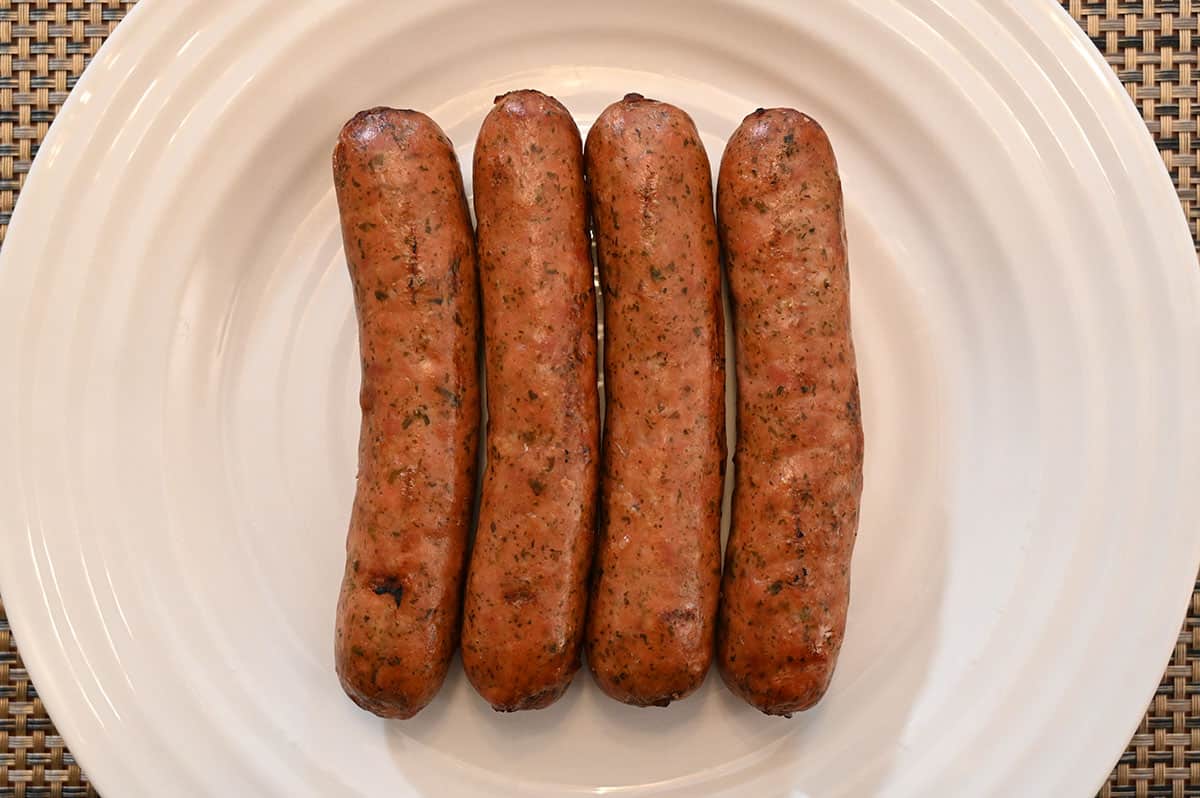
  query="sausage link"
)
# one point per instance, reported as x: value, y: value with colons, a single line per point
x: 409, y: 247
x: 527, y: 583
x: 799, y: 454
x: 657, y: 574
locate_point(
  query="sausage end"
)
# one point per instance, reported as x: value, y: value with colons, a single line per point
x: 785, y: 696
x: 538, y: 700
x: 637, y: 687
x: 524, y: 103
x: 362, y: 129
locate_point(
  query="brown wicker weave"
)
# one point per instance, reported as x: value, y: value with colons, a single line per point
x: 1152, y: 44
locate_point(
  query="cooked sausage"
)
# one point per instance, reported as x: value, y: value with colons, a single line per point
x: 658, y: 564
x: 799, y: 454
x: 411, y: 254
x: 526, y: 591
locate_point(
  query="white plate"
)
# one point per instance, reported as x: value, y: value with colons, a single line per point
x: 178, y: 406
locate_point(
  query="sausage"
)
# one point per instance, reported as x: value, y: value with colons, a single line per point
x: 526, y: 593
x: 799, y: 454
x: 411, y: 254
x: 657, y: 573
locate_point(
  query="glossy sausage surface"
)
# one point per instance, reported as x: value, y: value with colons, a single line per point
x: 799, y: 454
x: 527, y: 583
x: 657, y: 572
x: 411, y: 254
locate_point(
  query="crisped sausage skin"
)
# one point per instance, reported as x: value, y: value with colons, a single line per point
x: 411, y: 254
x: 656, y: 578
x: 526, y: 591
x: 799, y: 454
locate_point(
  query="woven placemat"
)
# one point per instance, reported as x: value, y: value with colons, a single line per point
x: 1152, y: 45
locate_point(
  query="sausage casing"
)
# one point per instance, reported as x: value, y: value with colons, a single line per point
x: 657, y: 572
x: 526, y: 591
x: 799, y: 453
x: 411, y: 254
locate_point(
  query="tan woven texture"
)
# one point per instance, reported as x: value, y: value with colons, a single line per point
x: 1152, y: 45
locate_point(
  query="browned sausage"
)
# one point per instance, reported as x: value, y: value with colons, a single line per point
x: 526, y: 587
x: 658, y: 564
x: 411, y: 254
x: 799, y: 454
